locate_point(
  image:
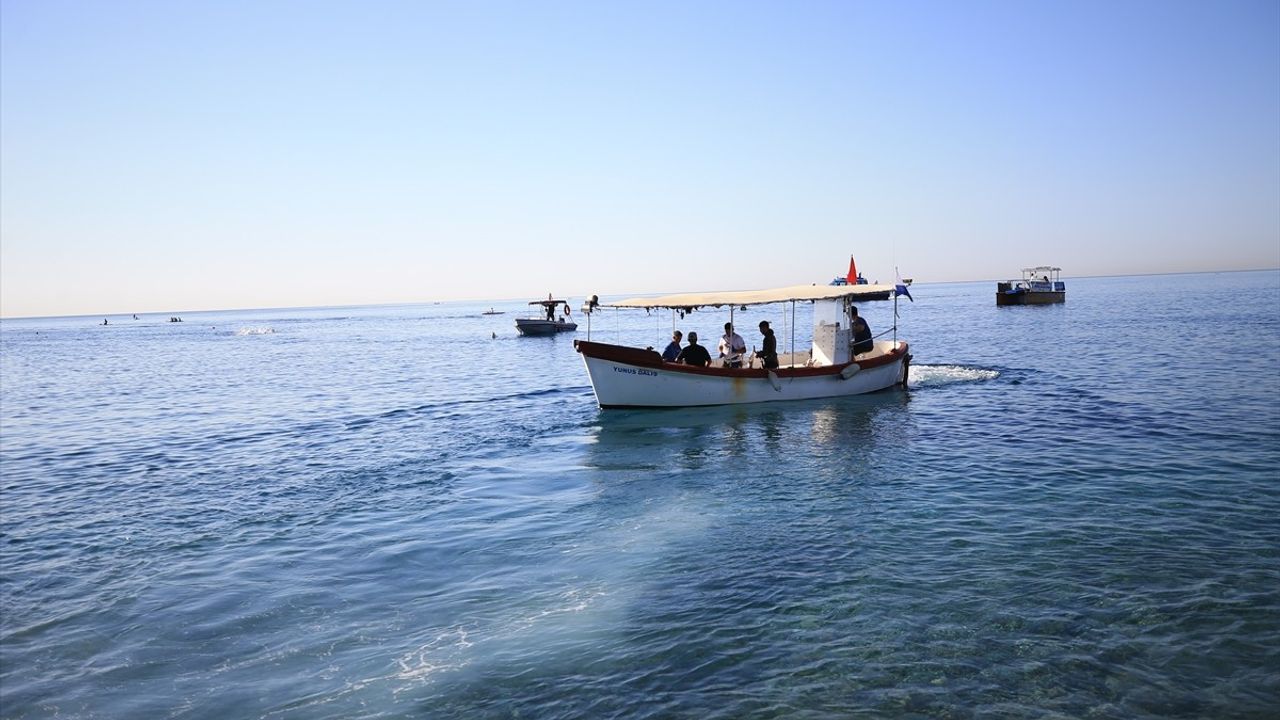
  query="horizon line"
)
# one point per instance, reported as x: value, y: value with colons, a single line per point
x: 512, y: 299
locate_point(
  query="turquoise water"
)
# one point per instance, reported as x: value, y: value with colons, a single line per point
x: 386, y: 512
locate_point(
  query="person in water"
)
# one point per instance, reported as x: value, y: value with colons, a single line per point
x: 693, y: 353
x: 861, y: 333
x: 769, y: 354
x: 673, y: 348
x: 731, y: 347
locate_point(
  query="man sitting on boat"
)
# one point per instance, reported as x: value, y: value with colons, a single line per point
x: 673, y: 348
x: 731, y: 347
x: 861, y: 333
x: 693, y: 353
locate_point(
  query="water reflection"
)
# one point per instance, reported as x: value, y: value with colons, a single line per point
x: 769, y: 432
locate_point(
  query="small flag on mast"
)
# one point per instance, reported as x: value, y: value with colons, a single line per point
x: 900, y: 288
x: 852, y: 277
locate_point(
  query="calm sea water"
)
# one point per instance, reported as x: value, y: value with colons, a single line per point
x: 387, y: 512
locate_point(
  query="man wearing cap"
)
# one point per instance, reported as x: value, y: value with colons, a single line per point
x: 693, y: 353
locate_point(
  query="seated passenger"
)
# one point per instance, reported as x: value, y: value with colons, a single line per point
x: 673, y: 348
x: 861, y: 334
x: 693, y: 353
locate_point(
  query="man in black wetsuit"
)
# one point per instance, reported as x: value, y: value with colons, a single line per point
x: 769, y: 354
x: 861, y: 333
x: 693, y: 353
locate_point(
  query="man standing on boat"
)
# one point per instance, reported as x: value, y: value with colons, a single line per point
x: 769, y: 354
x: 693, y: 353
x: 731, y: 347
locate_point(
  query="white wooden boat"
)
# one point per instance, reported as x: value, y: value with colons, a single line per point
x: 629, y: 377
x: 546, y: 322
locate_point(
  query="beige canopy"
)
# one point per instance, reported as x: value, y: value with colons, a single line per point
x: 759, y: 297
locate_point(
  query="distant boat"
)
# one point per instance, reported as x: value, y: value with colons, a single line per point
x: 491, y: 311
x: 1039, y: 286
x: 546, y: 322
x: 853, y: 277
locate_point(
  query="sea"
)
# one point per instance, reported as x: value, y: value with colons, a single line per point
x: 409, y: 511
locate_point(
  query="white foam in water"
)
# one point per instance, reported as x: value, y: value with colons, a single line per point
x: 442, y: 653
x: 255, y: 331
x: 930, y: 375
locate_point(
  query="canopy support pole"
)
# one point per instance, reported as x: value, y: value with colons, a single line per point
x: 793, y: 333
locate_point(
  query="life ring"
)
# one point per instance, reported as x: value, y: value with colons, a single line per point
x: 567, y: 310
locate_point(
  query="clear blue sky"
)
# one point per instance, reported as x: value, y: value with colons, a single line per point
x: 191, y: 155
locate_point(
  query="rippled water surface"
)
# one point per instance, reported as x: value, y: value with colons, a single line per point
x: 388, y: 512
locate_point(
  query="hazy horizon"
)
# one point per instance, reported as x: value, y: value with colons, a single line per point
x: 241, y: 155
x: 574, y: 298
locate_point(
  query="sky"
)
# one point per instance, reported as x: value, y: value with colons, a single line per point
x: 168, y: 156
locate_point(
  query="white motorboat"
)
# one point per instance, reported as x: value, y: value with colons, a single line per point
x: 546, y: 322
x: 1039, y: 286
x: 630, y: 377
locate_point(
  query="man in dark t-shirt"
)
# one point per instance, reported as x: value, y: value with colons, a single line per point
x: 769, y: 355
x: 693, y: 353
x: 861, y: 333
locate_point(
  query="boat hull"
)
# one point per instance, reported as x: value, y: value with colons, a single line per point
x: 543, y: 327
x: 1031, y: 297
x: 625, y: 377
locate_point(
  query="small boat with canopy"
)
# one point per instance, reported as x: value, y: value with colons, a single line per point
x: 546, y: 322
x: 1039, y: 286
x: 631, y: 377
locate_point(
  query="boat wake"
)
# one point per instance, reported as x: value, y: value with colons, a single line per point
x: 923, y: 376
x: 255, y: 331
